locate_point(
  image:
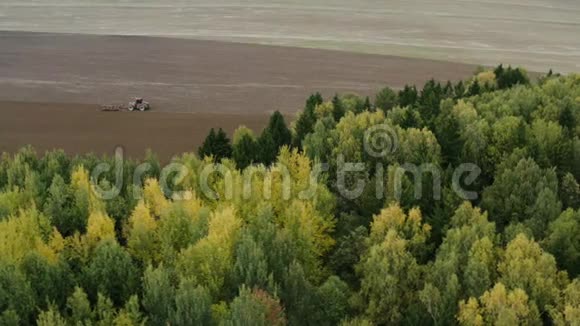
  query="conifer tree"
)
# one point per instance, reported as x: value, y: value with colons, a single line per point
x: 307, y: 119
x: 273, y: 137
x: 408, y: 96
x: 245, y: 148
x: 368, y: 106
x: 474, y: 88
x: 337, y: 108
x: 216, y: 145
x: 459, y: 90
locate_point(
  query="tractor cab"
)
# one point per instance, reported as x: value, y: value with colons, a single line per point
x: 139, y: 104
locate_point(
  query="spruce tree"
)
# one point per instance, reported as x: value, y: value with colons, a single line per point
x: 216, y: 145
x: 277, y: 128
x: 307, y: 120
x: 223, y: 147
x: 430, y: 99
x: 367, y: 105
x: 448, y: 90
x: 447, y: 131
x: 567, y: 119
x: 337, y: 108
x: 459, y: 90
x: 474, y: 88
x: 499, y: 74
x: 359, y: 105
x: 206, y: 149
x: 509, y: 77
x: 245, y: 151
x: 267, y: 149
x: 408, y: 96
x: 272, y: 138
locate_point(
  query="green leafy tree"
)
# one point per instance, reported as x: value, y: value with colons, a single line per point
x: 349, y: 248
x: 104, y: 311
x: 543, y: 286
x: 517, y: 193
x: 192, y: 305
x: 299, y: 296
x: 180, y: 226
x: 388, y: 267
x: 16, y: 296
x: 464, y: 263
x: 567, y: 118
x: 319, y: 144
x: 50, y: 281
x: 251, y: 266
x: 570, y: 191
x: 61, y: 209
x: 158, y: 294
x: 563, y: 241
x: 51, y: 317
x: 111, y: 272
x: 333, y: 296
x: 386, y: 99
x: 79, y: 307
x: 10, y: 318
x: 254, y: 308
x: 130, y: 314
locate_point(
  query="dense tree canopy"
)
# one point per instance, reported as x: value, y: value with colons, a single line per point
x: 464, y: 211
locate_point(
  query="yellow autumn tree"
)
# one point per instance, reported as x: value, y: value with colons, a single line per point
x: 99, y: 227
x: 407, y: 226
x: 154, y: 197
x: 85, y: 197
x: 486, y: 78
x: 142, y: 240
x: 23, y: 233
x: 499, y: 306
x: 544, y: 285
x: 568, y: 312
x: 209, y: 261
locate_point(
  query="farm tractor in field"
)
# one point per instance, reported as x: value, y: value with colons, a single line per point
x: 139, y: 104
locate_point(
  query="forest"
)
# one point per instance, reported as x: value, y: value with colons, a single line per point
x: 409, y: 254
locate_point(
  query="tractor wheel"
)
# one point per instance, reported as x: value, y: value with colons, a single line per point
x: 142, y: 107
x: 131, y: 108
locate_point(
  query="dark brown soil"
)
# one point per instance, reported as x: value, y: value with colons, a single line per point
x: 195, y: 76
x: 82, y: 128
x: 191, y: 85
